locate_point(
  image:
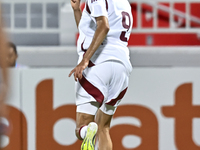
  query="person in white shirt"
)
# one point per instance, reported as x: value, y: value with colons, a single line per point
x: 103, y: 69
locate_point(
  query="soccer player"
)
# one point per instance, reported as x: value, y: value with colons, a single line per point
x: 103, y: 69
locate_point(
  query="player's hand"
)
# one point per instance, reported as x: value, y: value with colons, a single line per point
x: 75, y: 4
x: 78, y: 70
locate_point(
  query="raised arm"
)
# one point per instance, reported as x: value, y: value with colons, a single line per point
x: 77, y: 11
x: 99, y: 36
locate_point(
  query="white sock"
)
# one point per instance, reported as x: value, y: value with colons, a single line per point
x: 83, y: 132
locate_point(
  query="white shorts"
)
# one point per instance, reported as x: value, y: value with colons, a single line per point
x: 104, y: 84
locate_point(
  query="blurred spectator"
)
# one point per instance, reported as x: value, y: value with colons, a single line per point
x: 12, y: 56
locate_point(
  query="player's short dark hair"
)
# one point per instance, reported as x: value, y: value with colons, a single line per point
x: 10, y: 44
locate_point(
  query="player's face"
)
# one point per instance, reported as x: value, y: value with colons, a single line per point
x: 11, y: 58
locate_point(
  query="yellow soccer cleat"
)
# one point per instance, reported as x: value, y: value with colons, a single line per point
x: 89, y: 141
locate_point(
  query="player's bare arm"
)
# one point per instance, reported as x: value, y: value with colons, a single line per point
x: 3, y: 65
x: 77, y: 11
x: 99, y: 36
x: 3, y: 52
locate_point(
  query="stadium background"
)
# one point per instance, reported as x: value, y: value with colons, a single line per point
x: 161, y: 110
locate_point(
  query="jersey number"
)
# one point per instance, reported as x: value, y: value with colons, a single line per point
x: 126, y: 25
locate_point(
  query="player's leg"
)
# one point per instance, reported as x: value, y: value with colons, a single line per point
x: 117, y: 88
x: 103, y: 120
x: 91, y: 91
x: 95, y: 86
x: 82, y: 121
x: 86, y: 128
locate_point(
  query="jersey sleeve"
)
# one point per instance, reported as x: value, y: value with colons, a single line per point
x: 97, y: 8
